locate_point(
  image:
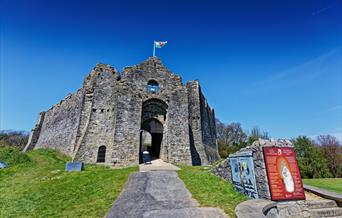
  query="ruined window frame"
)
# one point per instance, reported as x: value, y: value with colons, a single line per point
x: 152, y: 86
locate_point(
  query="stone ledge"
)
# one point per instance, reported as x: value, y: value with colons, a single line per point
x: 325, y: 194
x: 258, y: 208
x: 254, y: 208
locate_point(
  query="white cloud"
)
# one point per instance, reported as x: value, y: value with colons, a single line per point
x: 336, y: 108
x: 304, y: 72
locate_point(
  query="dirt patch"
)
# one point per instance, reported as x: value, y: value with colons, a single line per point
x: 312, y: 196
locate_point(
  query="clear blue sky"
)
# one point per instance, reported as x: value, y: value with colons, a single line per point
x: 275, y: 64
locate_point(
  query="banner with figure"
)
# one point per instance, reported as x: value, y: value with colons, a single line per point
x: 243, y: 175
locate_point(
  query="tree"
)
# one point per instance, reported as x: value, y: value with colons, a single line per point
x: 333, y: 153
x: 13, y: 138
x: 220, y: 127
x: 230, y: 138
x: 311, y: 161
x: 256, y: 134
x: 234, y: 135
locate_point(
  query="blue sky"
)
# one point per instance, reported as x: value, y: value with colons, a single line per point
x: 272, y: 64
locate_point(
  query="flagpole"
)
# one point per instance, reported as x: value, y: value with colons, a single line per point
x: 154, y: 48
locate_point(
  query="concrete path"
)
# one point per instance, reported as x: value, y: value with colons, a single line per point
x: 157, y: 165
x: 158, y: 193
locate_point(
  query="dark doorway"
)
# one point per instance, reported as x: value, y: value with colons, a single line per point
x: 101, y: 154
x: 155, y: 148
x: 155, y: 129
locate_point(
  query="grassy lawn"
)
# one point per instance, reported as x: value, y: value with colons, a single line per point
x: 210, y: 190
x: 331, y: 184
x: 38, y: 186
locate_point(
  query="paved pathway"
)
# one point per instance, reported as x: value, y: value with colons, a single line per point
x: 158, y: 193
x: 157, y: 165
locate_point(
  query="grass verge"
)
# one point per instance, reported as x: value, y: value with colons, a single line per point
x: 331, y: 184
x: 209, y: 190
x: 40, y: 187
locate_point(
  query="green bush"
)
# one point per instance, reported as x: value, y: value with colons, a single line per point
x: 311, y: 160
x: 13, y: 156
x: 225, y: 150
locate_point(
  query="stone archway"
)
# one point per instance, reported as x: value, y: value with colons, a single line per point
x: 153, y: 118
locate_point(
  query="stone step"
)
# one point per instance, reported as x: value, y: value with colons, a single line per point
x: 326, y: 212
x: 318, y: 204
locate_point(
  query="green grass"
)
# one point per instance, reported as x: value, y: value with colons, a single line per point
x: 209, y: 190
x: 13, y: 156
x: 331, y: 184
x: 38, y: 186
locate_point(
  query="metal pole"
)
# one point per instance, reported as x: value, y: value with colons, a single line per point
x: 154, y: 48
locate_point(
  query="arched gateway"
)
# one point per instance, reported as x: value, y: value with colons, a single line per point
x: 153, y: 118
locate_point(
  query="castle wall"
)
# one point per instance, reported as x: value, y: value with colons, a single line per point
x: 177, y: 143
x: 99, y: 124
x: 198, y: 154
x: 208, y: 129
x: 127, y: 128
x: 60, y: 124
x: 138, y: 76
x: 35, y: 132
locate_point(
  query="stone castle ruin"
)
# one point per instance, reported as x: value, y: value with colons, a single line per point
x: 114, y: 117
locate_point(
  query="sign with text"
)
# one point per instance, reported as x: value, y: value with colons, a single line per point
x: 243, y: 175
x: 283, y: 173
x: 74, y: 166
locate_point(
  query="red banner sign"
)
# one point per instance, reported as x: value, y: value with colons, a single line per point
x: 283, y: 173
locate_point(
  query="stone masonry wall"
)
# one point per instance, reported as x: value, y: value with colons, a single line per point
x: 127, y: 128
x: 35, y: 132
x: 223, y: 169
x: 100, y: 128
x: 152, y: 69
x: 208, y: 128
x: 198, y: 152
x: 178, y: 128
x: 60, y: 124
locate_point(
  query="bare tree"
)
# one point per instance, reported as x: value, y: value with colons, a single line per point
x: 333, y: 152
x: 13, y: 138
x: 256, y: 134
x: 220, y: 128
x: 234, y: 135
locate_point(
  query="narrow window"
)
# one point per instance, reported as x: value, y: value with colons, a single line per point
x: 101, y: 155
x: 152, y: 86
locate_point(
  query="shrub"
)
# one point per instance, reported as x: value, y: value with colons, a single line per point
x: 13, y: 156
x: 11, y: 138
x: 311, y: 160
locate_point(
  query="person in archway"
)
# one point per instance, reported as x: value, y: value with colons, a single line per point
x: 146, y: 157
